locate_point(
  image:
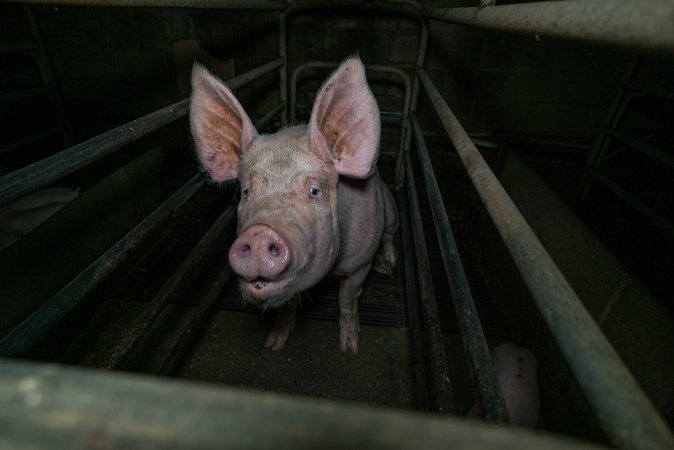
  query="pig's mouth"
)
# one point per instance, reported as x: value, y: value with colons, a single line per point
x: 265, y: 292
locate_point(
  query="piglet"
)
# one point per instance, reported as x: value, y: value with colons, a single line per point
x: 517, y: 375
x: 312, y: 202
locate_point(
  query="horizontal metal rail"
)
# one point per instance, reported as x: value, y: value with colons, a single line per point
x: 624, y: 412
x: 183, y: 274
x: 20, y: 339
x: 479, y: 358
x: 639, y: 25
x: 652, y: 152
x: 633, y: 202
x: 23, y: 181
x: 437, y: 360
x: 24, y: 94
x: 51, y: 406
x: 193, y: 328
x: 217, y: 4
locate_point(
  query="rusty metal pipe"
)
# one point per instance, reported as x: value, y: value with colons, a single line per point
x: 413, y: 308
x: 437, y: 360
x: 20, y: 339
x: 183, y: 274
x: 190, y: 332
x: 479, y: 359
x: 215, y: 4
x: 23, y: 181
x: 643, y: 25
x: 625, y: 413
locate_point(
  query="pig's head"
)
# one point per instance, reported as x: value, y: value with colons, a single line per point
x: 288, y: 214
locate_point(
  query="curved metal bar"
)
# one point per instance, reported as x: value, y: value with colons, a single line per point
x: 625, y: 413
x: 643, y: 25
x: 331, y: 65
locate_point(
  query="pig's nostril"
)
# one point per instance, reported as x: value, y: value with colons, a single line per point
x: 244, y: 250
x: 273, y: 250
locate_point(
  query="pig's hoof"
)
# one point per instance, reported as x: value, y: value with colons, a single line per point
x: 348, y: 337
x: 385, y: 260
x: 277, y: 339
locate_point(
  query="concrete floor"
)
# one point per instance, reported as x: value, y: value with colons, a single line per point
x: 231, y: 351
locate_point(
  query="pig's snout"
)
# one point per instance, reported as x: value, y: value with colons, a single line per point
x: 259, y: 252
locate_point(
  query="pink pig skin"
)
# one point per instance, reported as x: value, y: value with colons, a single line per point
x: 312, y: 202
x: 516, y: 370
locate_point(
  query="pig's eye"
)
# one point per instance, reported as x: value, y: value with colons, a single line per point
x: 245, y: 192
x: 314, y: 191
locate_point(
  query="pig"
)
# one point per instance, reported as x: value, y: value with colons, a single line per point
x: 517, y: 375
x: 312, y: 202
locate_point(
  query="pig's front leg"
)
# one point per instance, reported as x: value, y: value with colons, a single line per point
x: 349, y: 322
x: 284, y: 324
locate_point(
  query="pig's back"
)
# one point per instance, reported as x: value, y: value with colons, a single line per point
x: 361, y: 219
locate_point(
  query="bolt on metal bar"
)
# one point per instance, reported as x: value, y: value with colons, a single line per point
x: 215, y: 4
x: 411, y: 289
x: 183, y: 274
x: 189, y: 333
x: 20, y: 339
x: 643, y: 25
x: 437, y: 360
x: 624, y: 412
x: 479, y: 359
x: 23, y: 181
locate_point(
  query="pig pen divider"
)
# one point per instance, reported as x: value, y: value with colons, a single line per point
x: 37, y: 175
x: 626, y: 414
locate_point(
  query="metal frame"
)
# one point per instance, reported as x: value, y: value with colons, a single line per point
x: 626, y: 415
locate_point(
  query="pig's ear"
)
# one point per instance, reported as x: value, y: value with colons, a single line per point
x: 344, y: 122
x: 220, y: 126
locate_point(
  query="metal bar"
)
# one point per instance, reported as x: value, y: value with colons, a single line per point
x: 216, y: 4
x: 615, y: 113
x: 190, y: 332
x: 42, y: 61
x: 656, y: 219
x: 331, y: 65
x: 625, y: 413
x: 283, y: 75
x: 643, y: 89
x: 183, y: 274
x: 16, y: 47
x: 412, y: 295
x: 643, y: 25
x: 437, y: 360
x: 23, y: 181
x: 654, y: 153
x: 264, y: 121
x: 22, y: 142
x: 23, y: 94
x: 52, y: 406
x: 479, y: 359
x: 53, y: 310
x: 407, y: 8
